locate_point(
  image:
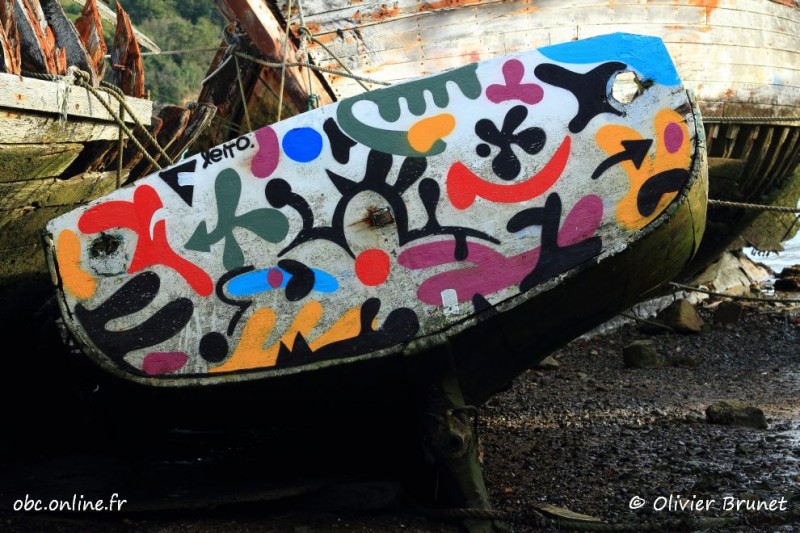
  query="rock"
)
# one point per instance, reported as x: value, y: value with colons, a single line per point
x: 548, y: 363
x: 682, y: 317
x: 640, y: 354
x: 787, y: 284
x: 736, y: 413
x: 728, y: 312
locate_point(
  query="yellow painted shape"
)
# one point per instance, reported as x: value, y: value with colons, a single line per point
x: 610, y: 138
x: 76, y: 281
x: 427, y: 131
x: 250, y: 352
x: 347, y: 327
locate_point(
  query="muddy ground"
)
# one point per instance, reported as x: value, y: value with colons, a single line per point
x: 589, y: 436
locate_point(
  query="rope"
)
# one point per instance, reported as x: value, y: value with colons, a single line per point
x: 304, y: 36
x: 347, y: 74
x: 80, y: 80
x: 241, y: 94
x: 722, y: 120
x: 179, y: 51
x: 347, y: 70
x: 283, y: 64
x: 743, y: 205
x: 735, y: 297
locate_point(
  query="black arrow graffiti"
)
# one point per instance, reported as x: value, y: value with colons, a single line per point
x: 634, y: 151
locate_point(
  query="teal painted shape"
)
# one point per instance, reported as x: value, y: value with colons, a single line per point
x: 645, y: 54
x: 269, y: 224
x: 388, y: 102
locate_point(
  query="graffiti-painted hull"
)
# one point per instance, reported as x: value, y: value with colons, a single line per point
x: 498, y: 210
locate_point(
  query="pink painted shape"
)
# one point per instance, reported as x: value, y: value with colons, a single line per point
x: 274, y: 278
x: 485, y: 271
x: 582, y: 221
x: 266, y: 159
x: 673, y: 137
x: 157, y: 363
x: 513, y: 70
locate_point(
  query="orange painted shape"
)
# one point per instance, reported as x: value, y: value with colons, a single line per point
x: 427, y: 131
x: 250, y: 352
x: 347, y: 327
x: 463, y: 185
x: 666, y: 157
x: 76, y: 281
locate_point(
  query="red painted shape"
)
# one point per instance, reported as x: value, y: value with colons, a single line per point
x: 372, y: 267
x: 150, y: 250
x: 463, y: 185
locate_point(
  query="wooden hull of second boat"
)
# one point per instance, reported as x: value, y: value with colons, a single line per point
x: 472, y: 209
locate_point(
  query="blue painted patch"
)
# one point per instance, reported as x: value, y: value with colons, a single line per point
x: 302, y: 144
x: 646, y: 55
x: 255, y: 282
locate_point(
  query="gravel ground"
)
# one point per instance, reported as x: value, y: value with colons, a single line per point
x: 593, y: 437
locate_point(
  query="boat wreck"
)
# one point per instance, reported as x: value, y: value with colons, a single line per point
x: 740, y: 58
x: 440, y: 236
x: 66, y: 136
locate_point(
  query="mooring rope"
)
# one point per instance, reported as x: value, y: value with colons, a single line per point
x: 721, y: 120
x: 735, y: 297
x: 744, y: 205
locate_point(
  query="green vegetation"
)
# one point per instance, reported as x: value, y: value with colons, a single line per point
x: 172, y: 25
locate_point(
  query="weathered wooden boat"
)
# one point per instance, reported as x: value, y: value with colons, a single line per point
x: 740, y: 57
x: 64, y: 133
x: 441, y: 236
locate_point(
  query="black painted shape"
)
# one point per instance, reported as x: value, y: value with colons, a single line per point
x: 531, y: 140
x: 132, y: 297
x: 378, y: 166
x: 401, y: 325
x: 302, y: 281
x: 589, y: 89
x: 483, y: 309
x: 340, y: 143
x: 429, y: 193
x: 170, y: 177
x: 632, y: 150
x: 213, y: 347
x: 242, y: 305
x: 553, y: 259
x: 656, y: 186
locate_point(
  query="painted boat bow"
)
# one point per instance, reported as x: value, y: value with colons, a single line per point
x: 497, y: 210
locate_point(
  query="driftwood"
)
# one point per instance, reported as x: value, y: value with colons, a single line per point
x: 126, y: 57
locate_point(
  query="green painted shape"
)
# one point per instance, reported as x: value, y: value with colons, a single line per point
x: 269, y: 224
x: 388, y: 102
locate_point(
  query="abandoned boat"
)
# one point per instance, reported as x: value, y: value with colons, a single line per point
x: 65, y: 135
x: 480, y: 208
x: 740, y: 57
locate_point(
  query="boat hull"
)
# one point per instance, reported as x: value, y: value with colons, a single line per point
x: 398, y: 226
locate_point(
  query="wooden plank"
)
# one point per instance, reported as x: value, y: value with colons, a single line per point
x: 35, y: 128
x: 33, y: 161
x: 55, y: 192
x: 109, y: 15
x: 32, y: 94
